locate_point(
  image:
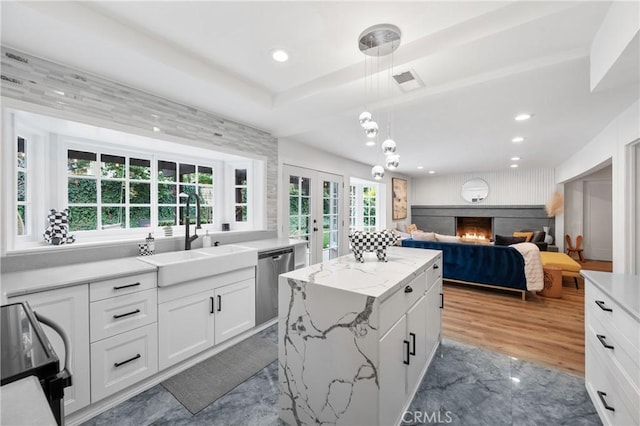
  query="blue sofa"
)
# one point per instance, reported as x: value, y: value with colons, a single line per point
x: 498, y: 266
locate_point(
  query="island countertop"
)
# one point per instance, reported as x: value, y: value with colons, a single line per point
x: 371, y: 278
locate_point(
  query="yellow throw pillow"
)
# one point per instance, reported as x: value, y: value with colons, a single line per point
x: 411, y: 227
x: 527, y: 235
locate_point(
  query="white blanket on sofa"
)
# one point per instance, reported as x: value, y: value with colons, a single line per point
x: 532, y: 265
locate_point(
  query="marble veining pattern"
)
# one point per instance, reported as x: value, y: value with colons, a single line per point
x: 464, y: 384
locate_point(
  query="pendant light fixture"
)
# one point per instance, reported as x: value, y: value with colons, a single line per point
x: 376, y: 42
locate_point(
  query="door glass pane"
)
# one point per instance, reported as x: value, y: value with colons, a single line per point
x: 22, y: 186
x: 241, y: 176
x: 22, y: 154
x: 330, y: 216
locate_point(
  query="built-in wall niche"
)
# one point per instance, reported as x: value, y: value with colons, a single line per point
x: 474, y: 227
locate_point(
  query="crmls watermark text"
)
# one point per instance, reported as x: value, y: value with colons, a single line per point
x: 433, y: 417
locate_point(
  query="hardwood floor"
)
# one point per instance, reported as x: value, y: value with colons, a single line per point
x: 542, y: 330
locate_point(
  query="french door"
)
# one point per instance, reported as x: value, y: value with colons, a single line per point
x: 313, y: 204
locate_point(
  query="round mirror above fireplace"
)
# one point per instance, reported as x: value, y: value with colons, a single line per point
x: 474, y: 190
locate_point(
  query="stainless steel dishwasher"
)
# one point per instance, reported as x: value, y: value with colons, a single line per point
x: 270, y: 264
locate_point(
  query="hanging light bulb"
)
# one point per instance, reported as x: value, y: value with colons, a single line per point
x: 392, y: 161
x: 371, y: 129
x: 377, y: 172
x: 389, y: 147
x: 364, y: 118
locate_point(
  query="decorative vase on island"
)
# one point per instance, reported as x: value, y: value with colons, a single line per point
x: 547, y: 237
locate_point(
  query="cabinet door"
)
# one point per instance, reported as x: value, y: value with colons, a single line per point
x: 185, y: 328
x: 434, y: 316
x: 392, y: 371
x: 235, y: 309
x: 416, y: 335
x: 69, y: 308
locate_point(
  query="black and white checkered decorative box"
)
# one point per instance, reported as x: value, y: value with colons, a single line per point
x: 372, y: 241
x: 143, y: 250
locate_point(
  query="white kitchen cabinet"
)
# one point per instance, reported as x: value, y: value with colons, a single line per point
x: 416, y: 335
x: 68, y: 307
x: 433, y: 325
x: 394, y: 353
x: 235, y: 309
x: 188, y: 325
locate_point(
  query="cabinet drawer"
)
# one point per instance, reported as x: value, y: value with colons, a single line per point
x: 123, y: 313
x: 122, y: 360
x: 603, y: 376
x: 125, y: 285
x: 400, y: 302
x: 601, y: 306
x: 434, y: 273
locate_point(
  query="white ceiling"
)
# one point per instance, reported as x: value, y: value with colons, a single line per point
x: 481, y: 62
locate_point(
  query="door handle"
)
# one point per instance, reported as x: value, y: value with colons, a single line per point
x: 600, y: 303
x: 211, y: 305
x: 441, y: 300
x: 126, y: 314
x: 126, y: 361
x: 219, y: 303
x: 120, y: 287
x: 601, y: 395
x: 413, y: 340
x: 603, y: 340
x: 436, y: 267
x: 315, y: 229
x: 407, y: 360
x: 408, y: 289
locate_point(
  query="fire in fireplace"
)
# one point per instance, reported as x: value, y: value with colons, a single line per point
x: 474, y: 228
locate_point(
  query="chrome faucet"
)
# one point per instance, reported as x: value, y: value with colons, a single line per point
x: 188, y: 239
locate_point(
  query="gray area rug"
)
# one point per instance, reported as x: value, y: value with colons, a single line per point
x: 200, y: 385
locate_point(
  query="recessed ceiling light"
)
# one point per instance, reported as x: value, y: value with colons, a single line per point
x: 420, y: 167
x: 517, y: 139
x: 59, y: 92
x: 523, y: 117
x: 156, y: 129
x: 370, y: 143
x: 431, y: 172
x: 515, y: 158
x: 280, y: 55
x: 513, y: 166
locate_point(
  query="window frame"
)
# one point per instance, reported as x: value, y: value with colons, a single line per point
x: 356, y: 194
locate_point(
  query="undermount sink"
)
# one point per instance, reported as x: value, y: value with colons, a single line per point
x: 182, y: 266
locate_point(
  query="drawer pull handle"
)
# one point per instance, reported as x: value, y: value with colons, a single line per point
x: 602, y: 339
x: 120, y: 287
x: 408, y: 289
x: 441, y: 300
x: 601, y: 395
x: 127, y: 314
x: 211, y: 308
x: 219, y: 303
x: 126, y: 361
x: 436, y: 267
x: 407, y: 360
x: 601, y: 304
x: 413, y: 340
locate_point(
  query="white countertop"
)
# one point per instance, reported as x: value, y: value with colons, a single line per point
x: 24, y: 403
x: 270, y: 244
x: 35, y: 280
x: 371, y: 278
x: 623, y: 289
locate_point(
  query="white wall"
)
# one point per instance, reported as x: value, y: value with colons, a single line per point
x: 301, y: 155
x: 507, y: 187
x: 612, y: 144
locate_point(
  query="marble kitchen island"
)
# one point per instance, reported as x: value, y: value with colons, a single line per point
x: 355, y: 339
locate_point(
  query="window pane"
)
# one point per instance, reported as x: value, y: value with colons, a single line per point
x: 167, y: 193
x: 187, y: 173
x: 294, y: 223
x: 206, y: 193
x: 166, y: 216
x: 241, y: 176
x: 81, y: 163
x: 206, y: 215
x: 192, y: 214
x: 305, y: 205
x: 112, y: 192
x: 241, y: 195
x: 305, y: 187
x: 113, y: 217
x: 139, y: 193
x: 166, y: 171
x: 111, y: 166
x: 22, y: 154
x: 205, y: 175
x: 83, y: 218
x: 139, y: 169
x: 294, y: 185
x: 22, y: 219
x: 293, y: 205
x: 241, y: 213
x: 22, y: 186
x: 187, y: 189
x: 82, y: 191
x: 139, y: 217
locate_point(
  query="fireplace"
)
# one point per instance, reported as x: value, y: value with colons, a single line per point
x: 480, y: 228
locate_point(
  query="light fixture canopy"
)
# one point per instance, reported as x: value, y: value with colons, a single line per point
x: 389, y: 147
x: 379, y: 40
x: 377, y: 172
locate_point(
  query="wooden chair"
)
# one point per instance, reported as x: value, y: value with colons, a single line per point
x: 577, y: 250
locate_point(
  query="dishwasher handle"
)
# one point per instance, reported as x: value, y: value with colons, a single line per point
x: 275, y: 254
x: 65, y: 374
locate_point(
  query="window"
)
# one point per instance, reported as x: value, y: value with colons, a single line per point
x: 363, y: 206
x: 118, y: 185
x: 299, y: 208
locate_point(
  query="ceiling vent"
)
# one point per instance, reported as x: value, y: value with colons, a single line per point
x: 408, y: 81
